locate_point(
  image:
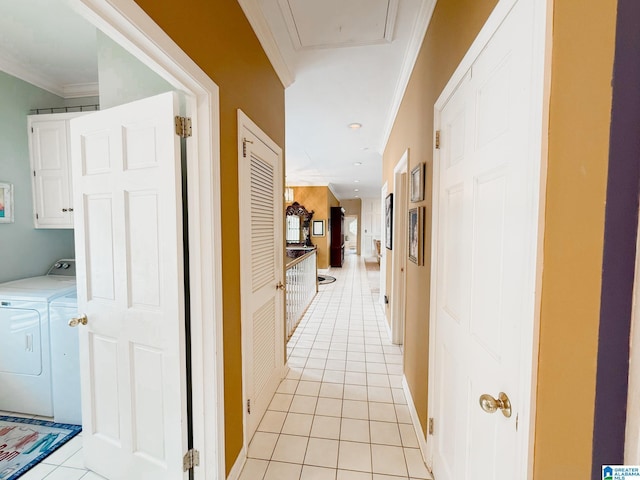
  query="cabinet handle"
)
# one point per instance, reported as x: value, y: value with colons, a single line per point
x: 65, y: 210
x: 71, y: 209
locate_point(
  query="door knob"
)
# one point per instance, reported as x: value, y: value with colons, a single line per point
x: 81, y: 320
x: 280, y: 286
x: 490, y: 404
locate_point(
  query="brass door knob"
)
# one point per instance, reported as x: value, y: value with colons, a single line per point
x: 81, y: 320
x: 491, y: 405
x: 280, y: 286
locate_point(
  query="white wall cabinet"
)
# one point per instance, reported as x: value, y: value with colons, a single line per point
x: 51, y: 170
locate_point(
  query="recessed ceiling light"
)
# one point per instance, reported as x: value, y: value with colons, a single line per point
x: 356, y: 181
x: 355, y: 126
x: 357, y: 196
x: 357, y: 164
x: 356, y: 190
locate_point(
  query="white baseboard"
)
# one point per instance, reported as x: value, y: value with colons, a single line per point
x: 386, y: 324
x: 422, y: 441
x: 235, y: 472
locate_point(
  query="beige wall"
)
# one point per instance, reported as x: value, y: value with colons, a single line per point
x: 218, y: 37
x: 579, y: 117
x: 318, y: 200
x: 454, y: 26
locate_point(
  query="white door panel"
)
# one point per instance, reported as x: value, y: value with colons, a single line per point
x: 129, y: 249
x: 485, y: 246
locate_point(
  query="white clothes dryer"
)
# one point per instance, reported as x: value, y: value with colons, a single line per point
x: 65, y: 360
x: 25, y: 356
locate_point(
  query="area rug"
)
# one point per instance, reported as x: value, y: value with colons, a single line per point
x: 322, y: 280
x: 25, y: 442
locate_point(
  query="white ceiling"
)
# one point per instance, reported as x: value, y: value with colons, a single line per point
x: 343, y: 61
x: 46, y: 44
x: 347, y: 61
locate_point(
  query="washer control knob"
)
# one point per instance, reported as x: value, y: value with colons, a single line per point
x: 65, y: 265
x: 57, y: 265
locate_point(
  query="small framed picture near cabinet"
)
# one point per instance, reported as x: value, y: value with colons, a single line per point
x: 318, y: 228
x: 417, y: 183
x: 416, y: 235
x: 388, y: 221
x: 6, y: 203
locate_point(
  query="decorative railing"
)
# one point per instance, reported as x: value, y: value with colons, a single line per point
x: 302, y: 286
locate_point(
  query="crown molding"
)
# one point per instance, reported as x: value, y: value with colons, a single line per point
x: 32, y: 77
x: 411, y: 55
x: 17, y: 70
x: 253, y: 12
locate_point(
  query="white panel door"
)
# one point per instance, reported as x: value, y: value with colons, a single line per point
x: 262, y: 256
x: 486, y: 241
x: 129, y: 249
x: 50, y: 164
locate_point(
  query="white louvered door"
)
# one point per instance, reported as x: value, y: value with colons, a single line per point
x: 262, y: 256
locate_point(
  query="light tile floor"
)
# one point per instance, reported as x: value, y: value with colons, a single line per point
x: 64, y: 464
x: 341, y: 413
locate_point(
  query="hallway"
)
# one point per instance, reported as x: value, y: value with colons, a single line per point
x: 341, y: 413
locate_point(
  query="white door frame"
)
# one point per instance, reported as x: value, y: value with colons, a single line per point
x: 383, y: 248
x: 541, y: 63
x: 399, y: 252
x: 126, y: 23
x: 632, y: 429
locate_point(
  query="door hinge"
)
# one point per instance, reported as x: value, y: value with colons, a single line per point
x: 190, y: 460
x: 517, y: 416
x: 183, y: 127
x: 34, y: 173
x: 244, y: 147
x: 437, y: 139
x: 37, y: 217
x: 431, y: 426
x: 249, y: 406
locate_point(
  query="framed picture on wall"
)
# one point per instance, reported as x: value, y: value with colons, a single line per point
x: 416, y: 237
x: 388, y: 221
x: 317, y: 229
x: 6, y: 203
x: 417, y: 183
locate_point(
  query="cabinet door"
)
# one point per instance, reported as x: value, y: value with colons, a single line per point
x: 51, y: 178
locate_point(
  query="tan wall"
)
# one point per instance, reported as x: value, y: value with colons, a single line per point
x: 453, y: 28
x: 353, y: 207
x: 579, y: 117
x: 218, y: 37
x: 316, y: 199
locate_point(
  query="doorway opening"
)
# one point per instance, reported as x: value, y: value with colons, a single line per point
x: 128, y: 26
x: 351, y: 238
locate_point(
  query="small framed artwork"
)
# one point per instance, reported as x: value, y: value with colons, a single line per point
x: 317, y: 230
x: 388, y: 221
x: 417, y: 183
x: 416, y: 235
x: 6, y: 203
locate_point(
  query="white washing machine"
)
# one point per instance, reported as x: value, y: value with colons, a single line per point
x: 25, y: 356
x: 65, y: 360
